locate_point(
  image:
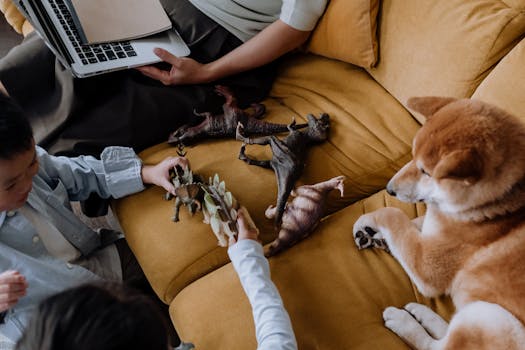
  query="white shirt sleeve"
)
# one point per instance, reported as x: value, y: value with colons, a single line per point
x: 273, y: 327
x: 302, y: 14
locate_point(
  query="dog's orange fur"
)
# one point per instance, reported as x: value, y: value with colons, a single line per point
x: 469, y: 168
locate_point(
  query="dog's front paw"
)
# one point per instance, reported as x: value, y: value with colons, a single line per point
x: 366, y: 234
x: 402, y: 323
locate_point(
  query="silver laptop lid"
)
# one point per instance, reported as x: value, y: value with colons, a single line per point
x: 52, y: 20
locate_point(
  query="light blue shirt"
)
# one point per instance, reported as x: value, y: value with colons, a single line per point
x: 59, y: 181
x: 273, y: 328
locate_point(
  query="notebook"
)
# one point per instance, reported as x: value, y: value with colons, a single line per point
x: 100, y: 21
x: 52, y: 20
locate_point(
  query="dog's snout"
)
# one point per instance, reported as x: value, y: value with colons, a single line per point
x: 390, y: 190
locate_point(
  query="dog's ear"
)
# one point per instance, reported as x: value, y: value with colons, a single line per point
x: 429, y: 105
x: 464, y: 165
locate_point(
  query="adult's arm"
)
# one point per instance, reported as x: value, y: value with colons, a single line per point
x: 268, y: 45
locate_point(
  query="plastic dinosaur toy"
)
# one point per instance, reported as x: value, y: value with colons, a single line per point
x: 188, y: 190
x: 288, y: 155
x: 302, y: 215
x: 216, y: 202
x: 224, y: 125
x: 220, y: 210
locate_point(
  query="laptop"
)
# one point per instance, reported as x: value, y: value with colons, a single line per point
x: 53, y: 21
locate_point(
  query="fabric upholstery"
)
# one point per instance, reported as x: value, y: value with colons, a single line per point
x: 503, y: 87
x: 348, y: 32
x: 370, y: 139
x: 343, y: 311
x: 335, y: 294
x: 443, y: 48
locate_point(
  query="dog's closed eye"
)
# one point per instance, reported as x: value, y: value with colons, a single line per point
x: 424, y: 172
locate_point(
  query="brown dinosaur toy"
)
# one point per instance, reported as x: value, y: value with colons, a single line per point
x: 288, y: 155
x: 188, y: 190
x: 302, y: 215
x: 224, y: 125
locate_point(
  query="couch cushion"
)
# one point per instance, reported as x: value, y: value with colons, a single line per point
x: 443, y: 47
x: 334, y: 293
x: 347, y: 32
x: 503, y: 87
x: 370, y: 139
x: 371, y: 132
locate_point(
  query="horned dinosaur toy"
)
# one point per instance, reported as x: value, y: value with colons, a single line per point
x: 302, y: 215
x: 288, y: 155
x: 224, y: 125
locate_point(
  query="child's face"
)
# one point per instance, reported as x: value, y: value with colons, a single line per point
x: 16, y: 179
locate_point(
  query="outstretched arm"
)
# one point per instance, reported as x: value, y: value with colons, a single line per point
x: 273, y: 328
x: 271, y: 43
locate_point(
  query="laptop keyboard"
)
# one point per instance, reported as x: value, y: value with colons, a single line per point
x: 94, y: 53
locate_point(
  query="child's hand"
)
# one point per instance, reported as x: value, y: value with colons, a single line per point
x: 13, y: 286
x: 160, y: 174
x: 245, y: 227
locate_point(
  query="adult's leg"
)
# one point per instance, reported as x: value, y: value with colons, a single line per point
x: 32, y: 77
x: 82, y: 116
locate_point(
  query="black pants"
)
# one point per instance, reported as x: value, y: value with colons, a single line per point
x: 133, y: 276
x: 82, y: 116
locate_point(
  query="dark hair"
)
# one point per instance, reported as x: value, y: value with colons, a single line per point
x: 106, y: 316
x: 16, y: 135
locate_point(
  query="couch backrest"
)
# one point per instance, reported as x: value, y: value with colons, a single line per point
x: 443, y: 47
x: 504, y: 86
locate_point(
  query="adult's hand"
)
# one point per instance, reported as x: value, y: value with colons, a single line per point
x: 13, y: 286
x: 184, y: 70
x: 268, y: 45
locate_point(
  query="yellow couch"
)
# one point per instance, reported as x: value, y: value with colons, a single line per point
x: 364, y: 61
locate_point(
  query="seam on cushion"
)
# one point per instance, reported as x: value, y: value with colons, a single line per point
x: 373, y: 32
x: 480, y: 71
x: 386, y: 167
x: 188, y: 267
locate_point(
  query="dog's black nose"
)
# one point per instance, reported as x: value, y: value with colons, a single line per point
x: 390, y: 191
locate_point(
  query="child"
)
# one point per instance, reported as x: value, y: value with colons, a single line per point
x: 85, y: 317
x: 44, y: 247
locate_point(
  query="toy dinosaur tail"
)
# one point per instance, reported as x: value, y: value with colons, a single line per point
x: 259, y: 127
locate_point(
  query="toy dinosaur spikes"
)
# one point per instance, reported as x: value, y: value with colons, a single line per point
x: 288, y: 155
x: 224, y: 125
x: 302, y: 215
x: 220, y: 210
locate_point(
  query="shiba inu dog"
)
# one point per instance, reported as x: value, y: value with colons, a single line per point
x: 468, y: 168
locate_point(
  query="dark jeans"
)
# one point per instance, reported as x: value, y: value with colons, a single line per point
x: 73, y: 116
x: 133, y: 276
x: 82, y: 116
